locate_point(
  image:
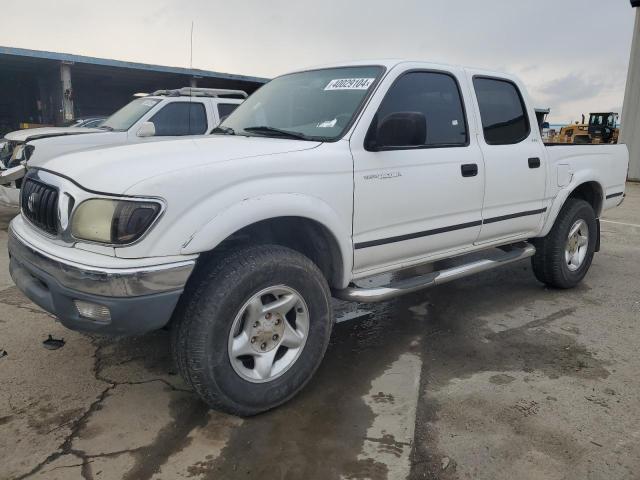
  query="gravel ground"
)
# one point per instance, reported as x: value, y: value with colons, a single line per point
x: 491, y: 377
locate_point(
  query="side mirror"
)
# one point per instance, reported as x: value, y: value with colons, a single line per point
x: 147, y: 129
x: 400, y: 129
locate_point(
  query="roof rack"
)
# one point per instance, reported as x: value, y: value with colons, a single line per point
x: 201, y: 92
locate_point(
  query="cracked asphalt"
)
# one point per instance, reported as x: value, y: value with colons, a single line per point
x: 490, y: 377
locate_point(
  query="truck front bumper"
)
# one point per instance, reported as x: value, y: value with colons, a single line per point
x: 96, y: 299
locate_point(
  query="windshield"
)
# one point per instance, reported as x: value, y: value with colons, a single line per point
x: 313, y: 105
x: 124, y: 118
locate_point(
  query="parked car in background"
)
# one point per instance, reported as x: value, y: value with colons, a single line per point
x: 321, y: 179
x: 163, y: 114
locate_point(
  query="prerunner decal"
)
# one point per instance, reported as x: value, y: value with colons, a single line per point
x: 349, y: 84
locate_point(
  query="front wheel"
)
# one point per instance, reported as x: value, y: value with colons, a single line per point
x: 255, y: 328
x: 564, y: 256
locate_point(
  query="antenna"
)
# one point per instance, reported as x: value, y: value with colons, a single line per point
x: 191, y: 55
x: 191, y: 68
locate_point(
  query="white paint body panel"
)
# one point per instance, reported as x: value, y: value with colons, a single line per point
x: 214, y: 186
x: 604, y: 164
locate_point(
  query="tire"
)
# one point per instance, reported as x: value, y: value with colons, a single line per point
x: 225, y: 307
x: 550, y: 263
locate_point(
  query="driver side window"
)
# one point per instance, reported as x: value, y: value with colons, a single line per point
x: 430, y: 99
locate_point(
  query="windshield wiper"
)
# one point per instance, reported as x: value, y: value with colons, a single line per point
x: 106, y: 127
x: 224, y: 130
x: 282, y: 133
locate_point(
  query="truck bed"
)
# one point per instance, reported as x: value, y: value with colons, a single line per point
x: 607, y: 163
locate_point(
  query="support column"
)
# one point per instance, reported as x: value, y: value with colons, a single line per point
x: 67, y: 92
x: 630, y: 121
x: 193, y: 82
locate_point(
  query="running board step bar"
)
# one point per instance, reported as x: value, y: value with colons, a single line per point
x: 512, y: 253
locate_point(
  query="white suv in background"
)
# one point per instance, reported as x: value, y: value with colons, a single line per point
x: 164, y: 113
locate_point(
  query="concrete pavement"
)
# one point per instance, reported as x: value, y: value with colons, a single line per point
x: 491, y: 377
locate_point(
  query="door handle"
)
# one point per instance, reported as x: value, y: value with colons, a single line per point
x: 534, y: 162
x: 469, y: 169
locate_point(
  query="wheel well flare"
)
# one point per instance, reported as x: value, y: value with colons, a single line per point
x: 306, y: 236
x: 592, y: 193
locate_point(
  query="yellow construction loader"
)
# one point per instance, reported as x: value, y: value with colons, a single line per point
x: 601, y: 128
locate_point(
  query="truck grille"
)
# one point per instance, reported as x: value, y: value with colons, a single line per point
x: 39, y: 203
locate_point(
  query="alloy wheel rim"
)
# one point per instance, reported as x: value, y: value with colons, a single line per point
x: 577, y: 245
x: 268, y: 334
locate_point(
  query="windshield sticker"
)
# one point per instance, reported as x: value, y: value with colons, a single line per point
x: 327, y: 124
x: 349, y: 84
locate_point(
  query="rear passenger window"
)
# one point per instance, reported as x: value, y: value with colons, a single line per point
x: 437, y: 97
x: 225, y: 109
x: 504, y: 116
x: 180, y: 118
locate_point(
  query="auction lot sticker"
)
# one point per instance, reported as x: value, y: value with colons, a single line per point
x: 349, y: 84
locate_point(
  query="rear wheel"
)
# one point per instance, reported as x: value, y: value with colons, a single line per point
x: 564, y: 256
x: 254, y: 329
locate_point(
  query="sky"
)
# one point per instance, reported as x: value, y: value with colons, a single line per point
x: 571, y: 54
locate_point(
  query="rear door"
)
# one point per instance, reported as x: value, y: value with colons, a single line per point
x: 415, y: 201
x: 514, y: 159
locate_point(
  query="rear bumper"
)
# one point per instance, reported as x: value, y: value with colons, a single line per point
x: 139, y: 300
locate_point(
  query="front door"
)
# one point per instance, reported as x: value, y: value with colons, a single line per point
x: 417, y: 197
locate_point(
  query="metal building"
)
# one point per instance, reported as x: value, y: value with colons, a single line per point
x: 48, y: 88
x: 630, y: 122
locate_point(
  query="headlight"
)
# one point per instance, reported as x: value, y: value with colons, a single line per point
x: 113, y: 221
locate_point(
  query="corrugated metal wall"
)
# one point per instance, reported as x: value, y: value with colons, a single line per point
x: 630, y: 122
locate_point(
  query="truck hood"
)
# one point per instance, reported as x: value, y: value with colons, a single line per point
x: 45, y: 132
x: 116, y: 169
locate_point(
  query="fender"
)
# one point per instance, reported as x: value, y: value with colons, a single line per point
x: 577, y: 179
x: 264, y: 207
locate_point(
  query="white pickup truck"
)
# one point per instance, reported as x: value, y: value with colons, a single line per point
x: 320, y: 179
x: 161, y: 115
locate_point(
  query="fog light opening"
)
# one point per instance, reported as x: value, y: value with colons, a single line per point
x: 93, y: 311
